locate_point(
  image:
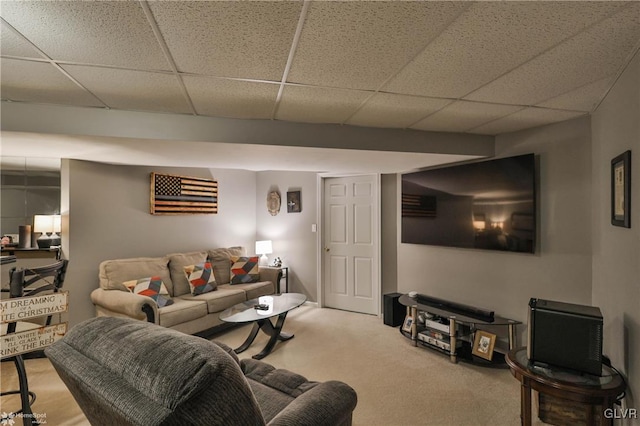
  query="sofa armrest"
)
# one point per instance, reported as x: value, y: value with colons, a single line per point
x: 328, y: 403
x: 129, y: 304
x: 270, y: 273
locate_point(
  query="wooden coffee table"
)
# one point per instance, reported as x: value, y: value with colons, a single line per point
x: 246, y: 312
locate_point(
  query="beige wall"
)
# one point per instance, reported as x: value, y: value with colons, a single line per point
x: 110, y: 219
x: 504, y: 282
x: 616, y: 251
x: 291, y: 235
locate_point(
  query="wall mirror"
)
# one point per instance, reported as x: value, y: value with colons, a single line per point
x: 29, y: 186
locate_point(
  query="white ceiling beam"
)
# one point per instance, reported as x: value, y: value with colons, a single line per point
x: 67, y: 120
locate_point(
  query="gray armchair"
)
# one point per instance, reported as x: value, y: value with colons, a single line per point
x: 127, y: 372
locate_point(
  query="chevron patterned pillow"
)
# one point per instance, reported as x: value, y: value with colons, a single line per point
x: 152, y: 287
x: 200, y: 277
x: 244, y: 269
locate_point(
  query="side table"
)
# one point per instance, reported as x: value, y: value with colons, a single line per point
x: 285, y: 275
x: 594, y: 394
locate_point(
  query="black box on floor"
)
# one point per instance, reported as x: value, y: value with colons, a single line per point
x: 394, y: 312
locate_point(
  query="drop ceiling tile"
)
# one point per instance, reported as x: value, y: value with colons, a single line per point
x: 492, y: 38
x: 461, y: 116
x: 31, y: 81
x: 13, y: 45
x: 132, y: 90
x: 390, y: 110
x: 599, y: 52
x: 524, y: 119
x: 229, y: 39
x: 585, y: 98
x: 358, y: 45
x: 318, y: 105
x: 229, y: 98
x: 97, y: 32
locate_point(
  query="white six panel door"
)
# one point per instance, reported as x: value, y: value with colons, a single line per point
x: 351, y: 244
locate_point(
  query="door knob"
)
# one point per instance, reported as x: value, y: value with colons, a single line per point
x: 327, y: 249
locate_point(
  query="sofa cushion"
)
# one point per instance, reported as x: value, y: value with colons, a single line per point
x: 244, y: 269
x: 285, y: 381
x: 200, y: 278
x: 152, y: 287
x: 115, y: 272
x: 220, y: 299
x: 273, y: 388
x: 177, y: 262
x: 220, y: 260
x: 181, y: 311
x: 252, y: 290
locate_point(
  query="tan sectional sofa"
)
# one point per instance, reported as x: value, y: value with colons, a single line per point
x: 188, y: 314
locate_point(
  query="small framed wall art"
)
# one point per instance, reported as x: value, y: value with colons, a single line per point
x: 294, y: 202
x: 483, y: 344
x: 621, y: 190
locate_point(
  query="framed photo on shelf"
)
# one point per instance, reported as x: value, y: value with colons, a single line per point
x: 408, y: 322
x: 483, y: 344
x: 621, y: 190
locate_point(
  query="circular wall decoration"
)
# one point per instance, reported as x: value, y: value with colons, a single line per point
x: 273, y: 203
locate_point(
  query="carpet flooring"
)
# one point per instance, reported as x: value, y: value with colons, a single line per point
x: 396, y: 383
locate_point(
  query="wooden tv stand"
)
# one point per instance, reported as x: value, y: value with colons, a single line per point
x: 455, y: 326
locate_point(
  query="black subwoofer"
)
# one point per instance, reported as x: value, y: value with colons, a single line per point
x: 394, y: 312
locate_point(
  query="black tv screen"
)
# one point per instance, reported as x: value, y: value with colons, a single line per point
x: 488, y: 205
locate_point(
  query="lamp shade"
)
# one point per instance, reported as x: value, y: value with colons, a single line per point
x: 43, y: 223
x: 479, y: 224
x: 264, y: 247
x: 57, y: 223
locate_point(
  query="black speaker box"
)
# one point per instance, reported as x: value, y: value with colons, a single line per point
x: 394, y: 312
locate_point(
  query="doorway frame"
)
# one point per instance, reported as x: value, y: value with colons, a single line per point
x: 320, y: 217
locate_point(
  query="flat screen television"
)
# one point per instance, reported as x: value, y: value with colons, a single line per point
x: 488, y: 205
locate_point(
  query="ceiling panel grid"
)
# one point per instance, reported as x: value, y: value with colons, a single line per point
x: 446, y: 66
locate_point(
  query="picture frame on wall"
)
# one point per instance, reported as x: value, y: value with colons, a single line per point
x: 294, y: 202
x: 621, y: 190
x: 483, y: 344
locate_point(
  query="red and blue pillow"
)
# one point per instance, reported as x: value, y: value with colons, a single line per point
x: 201, y: 278
x: 152, y: 287
x: 244, y: 269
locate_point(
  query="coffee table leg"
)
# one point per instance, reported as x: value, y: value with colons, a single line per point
x: 274, y: 332
x: 252, y: 336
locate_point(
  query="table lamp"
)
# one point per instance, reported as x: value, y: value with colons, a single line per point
x: 44, y: 224
x: 57, y: 228
x: 263, y: 248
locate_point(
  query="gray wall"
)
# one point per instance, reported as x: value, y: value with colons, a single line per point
x: 504, y: 282
x: 291, y: 235
x: 616, y: 258
x: 110, y: 219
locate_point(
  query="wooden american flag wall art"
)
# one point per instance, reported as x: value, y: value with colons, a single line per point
x: 173, y: 194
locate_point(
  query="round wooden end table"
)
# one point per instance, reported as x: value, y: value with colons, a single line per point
x: 590, y: 397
